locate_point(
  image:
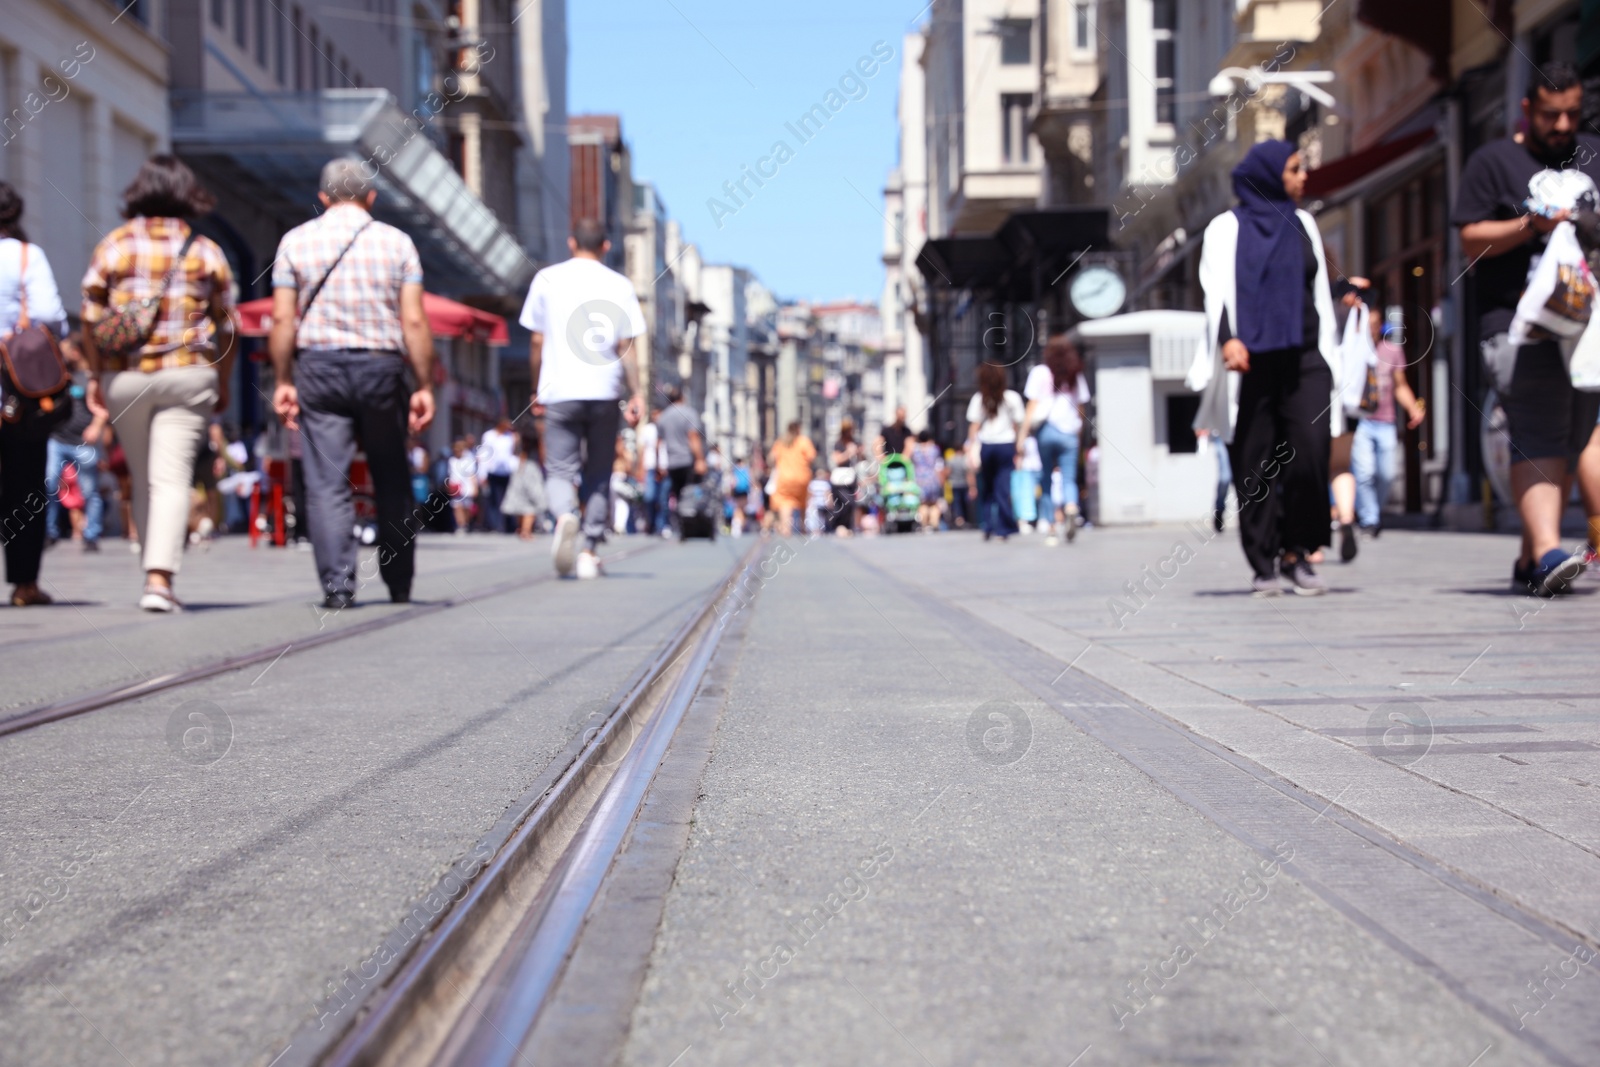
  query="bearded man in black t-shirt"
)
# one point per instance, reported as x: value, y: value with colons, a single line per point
x: 1549, y: 421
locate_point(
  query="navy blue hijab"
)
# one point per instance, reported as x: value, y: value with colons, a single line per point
x: 1270, y: 263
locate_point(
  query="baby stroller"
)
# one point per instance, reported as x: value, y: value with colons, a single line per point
x: 897, y: 487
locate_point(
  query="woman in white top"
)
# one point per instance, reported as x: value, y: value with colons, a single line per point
x: 998, y: 425
x: 1270, y: 367
x: 24, y: 444
x: 1057, y: 389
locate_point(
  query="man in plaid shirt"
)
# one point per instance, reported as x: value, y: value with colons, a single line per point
x: 347, y: 299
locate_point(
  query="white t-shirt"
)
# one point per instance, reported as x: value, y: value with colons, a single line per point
x: 1063, y: 413
x: 650, y: 448
x: 583, y: 308
x: 1002, y: 429
x: 499, y: 452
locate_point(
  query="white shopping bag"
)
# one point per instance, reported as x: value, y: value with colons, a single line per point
x: 1356, y: 354
x: 1560, y: 293
x: 1583, y: 359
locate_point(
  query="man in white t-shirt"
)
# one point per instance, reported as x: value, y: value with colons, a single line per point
x: 584, y: 317
x: 497, y: 459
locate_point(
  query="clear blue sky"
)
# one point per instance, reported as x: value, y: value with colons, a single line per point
x: 705, y: 87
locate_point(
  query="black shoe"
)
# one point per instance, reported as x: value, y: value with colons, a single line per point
x: 1347, y: 542
x: 1522, y: 577
x: 399, y: 596
x: 91, y: 546
x: 338, y: 601
x: 1216, y: 520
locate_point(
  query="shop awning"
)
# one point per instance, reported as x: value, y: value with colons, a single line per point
x: 446, y: 318
x: 271, y: 147
x: 1331, y: 177
x: 1030, y: 250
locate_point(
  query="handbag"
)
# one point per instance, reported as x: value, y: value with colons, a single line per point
x: 37, y: 378
x: 128, y: 329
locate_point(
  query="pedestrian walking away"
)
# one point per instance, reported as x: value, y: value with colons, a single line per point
x: 791, y: 460
x: 1057, y: 391
x: 462, y: 484
x: 998, y: 425
x: 584, y: 317
x: 28, y: 297
x: 1270, y: 328
x: 159, y: 336
x: 346, y: 318
x: 498, y: 452
x: 683, y: 444
x: 844, y: 477
x: 927, y: 466
x: 1505, y: 221
x: 75, y: 453
x: 525, y: 496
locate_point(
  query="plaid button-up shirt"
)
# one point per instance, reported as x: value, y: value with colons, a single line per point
x: 131, y: 262
x: 359, y: 306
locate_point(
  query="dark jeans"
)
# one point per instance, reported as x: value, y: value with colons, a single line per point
x: 995, y: 513
x: 493, y: 520
x: 580, y: 446
x: 677, y: 478
x: 1280, y: 454
x: 24, y: 501
x: 348, y: 397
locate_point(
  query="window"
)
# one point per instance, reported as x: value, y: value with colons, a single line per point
x: 219, y: 15
x: 1165, y: 25
x: 297, y: 42
x: 261, y: 33
x: 1082, y: 26
x: 313, y: 61
x: 1014, y: 108
x: 279, y: 64
x: 1016, y: 41
x: 241, y: 22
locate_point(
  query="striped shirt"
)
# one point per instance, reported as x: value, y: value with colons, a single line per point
x: 130, y: 264
x: 359, y: 306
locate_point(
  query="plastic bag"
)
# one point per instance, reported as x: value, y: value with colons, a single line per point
x: 1560, y: 293
x: 1357, y: 357
x: 1583, y: 359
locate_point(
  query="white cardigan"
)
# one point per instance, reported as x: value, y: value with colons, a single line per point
x: 1218, y: 254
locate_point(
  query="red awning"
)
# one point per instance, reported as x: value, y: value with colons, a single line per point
x: 447, y: 318
x: 1331, y: 177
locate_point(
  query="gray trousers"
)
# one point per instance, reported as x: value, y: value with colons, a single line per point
x: 580, y: 446
x: 349, y: 398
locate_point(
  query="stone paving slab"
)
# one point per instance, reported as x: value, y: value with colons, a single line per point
x: 873, y: 878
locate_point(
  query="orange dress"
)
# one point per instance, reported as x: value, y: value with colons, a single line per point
x: 791, y: 466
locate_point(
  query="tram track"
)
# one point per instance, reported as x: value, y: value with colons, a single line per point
x: 54, y: 711
x: 472, y: 987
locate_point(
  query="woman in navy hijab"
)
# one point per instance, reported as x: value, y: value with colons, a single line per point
x: 1270, y: 319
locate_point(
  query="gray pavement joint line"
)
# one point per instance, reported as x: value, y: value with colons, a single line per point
x: 379, y: 1016
x: 527, y: 973
x: 1118, y: 736
x: 1266, y: 710
x: 48, y: 713
x: 497, y: 630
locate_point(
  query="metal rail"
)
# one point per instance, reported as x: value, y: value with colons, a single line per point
x: 104, y: 698
x: 474, y: 989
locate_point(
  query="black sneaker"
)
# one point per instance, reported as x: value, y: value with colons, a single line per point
x: 1347, y: 542
x: 1216, y: 520
x: 1306, y: 581
x: 399, y: 596
x: 91, y: 546
x: 1522, y: 577
x: 338, y: 601
x: 1263, y: 585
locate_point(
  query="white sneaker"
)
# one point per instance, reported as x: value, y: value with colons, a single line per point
x: 1055, y: 536
x: 564, y: 549
x: 156, y: 598
x: 589, y: 566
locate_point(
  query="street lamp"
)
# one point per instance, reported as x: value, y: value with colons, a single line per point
x: 1304, y: 80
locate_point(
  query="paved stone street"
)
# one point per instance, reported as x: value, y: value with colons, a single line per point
x: 943, y: 801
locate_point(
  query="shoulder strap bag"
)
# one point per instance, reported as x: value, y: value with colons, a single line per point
x: 126, y: 330
x: 31, y: 355
x: 316, y: 290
